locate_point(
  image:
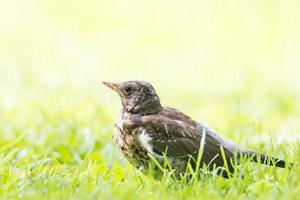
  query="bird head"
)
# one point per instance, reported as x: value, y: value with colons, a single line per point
x: 137, y: 97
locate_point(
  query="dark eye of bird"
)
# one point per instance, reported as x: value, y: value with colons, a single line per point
x: 128, y: 90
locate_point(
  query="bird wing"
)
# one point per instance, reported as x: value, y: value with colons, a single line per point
x: 182, y: 140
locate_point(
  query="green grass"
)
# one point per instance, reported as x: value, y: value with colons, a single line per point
x: 56, y: 146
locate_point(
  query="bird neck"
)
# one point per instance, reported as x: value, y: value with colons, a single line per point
x: 148, y: 107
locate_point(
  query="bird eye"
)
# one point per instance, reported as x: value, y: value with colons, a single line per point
x: 128, y: 90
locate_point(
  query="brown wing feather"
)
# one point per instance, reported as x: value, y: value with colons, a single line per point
x: 180, y: 137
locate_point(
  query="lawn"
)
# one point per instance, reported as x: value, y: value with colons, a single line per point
x: 234, y: 67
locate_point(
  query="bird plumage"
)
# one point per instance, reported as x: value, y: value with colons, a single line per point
x: 147, y: 130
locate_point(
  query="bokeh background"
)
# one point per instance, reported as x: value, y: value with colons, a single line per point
x: 234, y: 65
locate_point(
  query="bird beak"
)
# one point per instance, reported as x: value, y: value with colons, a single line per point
x: 113, y: 86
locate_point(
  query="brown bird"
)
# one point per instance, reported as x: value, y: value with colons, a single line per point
x: 146, y: 130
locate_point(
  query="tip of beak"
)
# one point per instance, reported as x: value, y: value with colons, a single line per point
x: 105, y: 83
x: 112, y: 86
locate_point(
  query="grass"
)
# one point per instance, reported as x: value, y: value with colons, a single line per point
x: 57, y: 148
x: 233, y: 66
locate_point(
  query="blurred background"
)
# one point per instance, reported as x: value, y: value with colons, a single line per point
x: 234, y: 65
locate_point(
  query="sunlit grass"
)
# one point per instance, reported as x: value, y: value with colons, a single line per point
x: 62, y: 148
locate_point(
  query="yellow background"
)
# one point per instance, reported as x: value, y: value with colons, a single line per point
x: 212, y: 59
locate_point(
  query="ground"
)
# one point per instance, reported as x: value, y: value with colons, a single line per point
x: 59, y: 144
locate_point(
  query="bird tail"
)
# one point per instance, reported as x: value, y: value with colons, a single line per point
x: 265, y: 159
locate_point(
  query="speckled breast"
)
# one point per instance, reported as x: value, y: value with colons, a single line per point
x: 131, y: 147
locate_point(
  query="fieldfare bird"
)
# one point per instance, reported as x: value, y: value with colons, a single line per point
x: 147, y: 130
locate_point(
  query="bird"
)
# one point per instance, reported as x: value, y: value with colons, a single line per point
x: 146, y: 132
